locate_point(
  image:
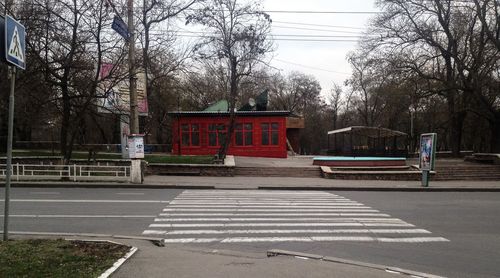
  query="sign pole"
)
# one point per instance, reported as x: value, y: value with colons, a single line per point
x: 425, y: 178
x: 15, y: 55
x: 9, y: 153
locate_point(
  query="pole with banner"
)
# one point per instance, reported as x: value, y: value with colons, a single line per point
x: 14, y: 47
x: 427, y: 156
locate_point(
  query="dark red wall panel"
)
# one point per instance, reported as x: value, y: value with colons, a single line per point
x: 255, y: 150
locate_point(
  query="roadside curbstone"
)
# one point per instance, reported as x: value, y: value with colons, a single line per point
x: 278, y: 252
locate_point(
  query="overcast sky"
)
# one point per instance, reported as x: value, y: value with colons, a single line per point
x: 325, y: 60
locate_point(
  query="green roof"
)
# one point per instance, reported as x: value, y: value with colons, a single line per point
x: 220, y: 106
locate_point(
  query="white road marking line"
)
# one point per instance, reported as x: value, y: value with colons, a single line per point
x: 256, y: 192
x: 260, y: 198
x: 263, y: 203
x: 293, y: 196
x: 246, y: 197
x: 346, y: 224
x: 273, y: 210
x: 44, y: 193
x: 191, y: 240
x: 278, y: 219
x: 414, y: 239
x: 303, y: 239
x: 271, y: 214
x: 262, y: 206
x: 129, y: 193
x: 154, y: 232
x: 77, y: 216
x: 319, y: 231
x: 237, y: 208
x: 85, y: 201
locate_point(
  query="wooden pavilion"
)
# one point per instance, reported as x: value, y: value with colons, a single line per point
x: 357, y: 141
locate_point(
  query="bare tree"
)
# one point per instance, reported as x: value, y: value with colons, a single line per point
x: 335, y: 99
x: 295, y: 92
x: 237, y: 36
x: 69, y: 42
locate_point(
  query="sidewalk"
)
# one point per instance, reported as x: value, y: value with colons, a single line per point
x: 315, y: 183
x: 284, y: 183
x: 191, y: 261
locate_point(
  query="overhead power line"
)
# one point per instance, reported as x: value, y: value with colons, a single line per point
x: 321, y: 12
x: 273, y: 35
x: 309, y: 67
x: 314, y: 36
x: 276, y: 37
x: 279, y: 39
x: 314, y: 29
x: 319, y: 25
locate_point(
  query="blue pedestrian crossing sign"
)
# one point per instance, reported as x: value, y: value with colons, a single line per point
x: 15, y: 43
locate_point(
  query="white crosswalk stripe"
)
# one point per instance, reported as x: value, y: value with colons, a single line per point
x: 253, y: 216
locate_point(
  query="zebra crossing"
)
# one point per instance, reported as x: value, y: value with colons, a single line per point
x: 243, y: 216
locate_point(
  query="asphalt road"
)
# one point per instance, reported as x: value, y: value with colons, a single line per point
x: 468, y: 221
x: 81, y: 210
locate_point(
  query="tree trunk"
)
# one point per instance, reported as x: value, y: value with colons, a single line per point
x: 495, y: 134
x: 232, y: 105
x: 65, y: 129
x: 456, y: 120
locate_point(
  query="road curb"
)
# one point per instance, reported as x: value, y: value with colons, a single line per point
x: 154, y: 240
x: 107, y: 185
x: 108, y: 272
x: 119, y: 263
x: 278, y: 252
x: 388, y: 189
x: 246, y: 187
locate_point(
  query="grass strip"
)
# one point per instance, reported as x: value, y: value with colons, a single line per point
x: 57, y: 258
x: 150, y: 158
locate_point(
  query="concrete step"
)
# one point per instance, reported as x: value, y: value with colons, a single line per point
x: 467, y: 172
x: 443, y: 174
x: 278, y: 171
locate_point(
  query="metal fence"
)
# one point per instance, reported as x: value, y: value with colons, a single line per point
x: 73, y: 172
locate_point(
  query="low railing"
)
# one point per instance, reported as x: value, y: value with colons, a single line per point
x: 73, y: 172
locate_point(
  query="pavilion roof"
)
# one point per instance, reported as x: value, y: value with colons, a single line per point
x: 368, y: 131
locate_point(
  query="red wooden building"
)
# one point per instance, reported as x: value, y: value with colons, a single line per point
x: 257, y: 133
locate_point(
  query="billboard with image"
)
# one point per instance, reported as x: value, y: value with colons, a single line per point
x: 427, y: 151
x: 115, y: 91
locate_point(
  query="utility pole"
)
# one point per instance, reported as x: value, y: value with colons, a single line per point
x: 134, y: 113
x: 135, y: 141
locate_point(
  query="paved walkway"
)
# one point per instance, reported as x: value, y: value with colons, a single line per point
x: 186, y: 261
x: 292, y: 161
x: 311, y: 183
x: 240, y: 182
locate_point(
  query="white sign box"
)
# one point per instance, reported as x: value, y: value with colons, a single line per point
x: 135, y: 146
